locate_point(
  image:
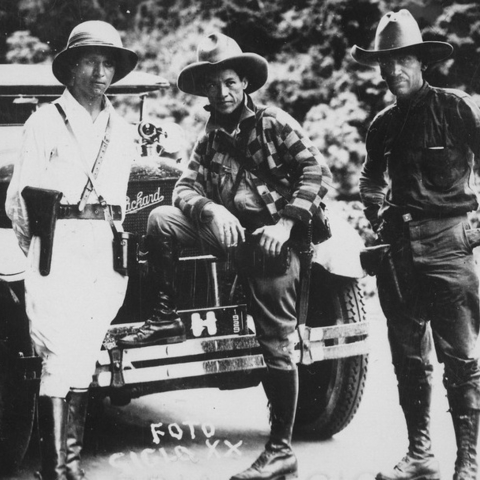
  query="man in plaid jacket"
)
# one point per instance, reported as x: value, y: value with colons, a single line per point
x: 232, y: 185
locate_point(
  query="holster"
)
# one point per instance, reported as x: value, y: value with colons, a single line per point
x: 372, y: 257
x: 42, y: 209
x: 380, y: 257
x: 321, y: 230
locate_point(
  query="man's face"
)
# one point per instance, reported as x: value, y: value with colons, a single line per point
x: 403, y: 74
x: 92, y: 74
x: 224, y: 90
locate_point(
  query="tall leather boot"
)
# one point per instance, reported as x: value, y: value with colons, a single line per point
x: 277, y: 461
x: 77, y: 413
x: 52, y: 420
x: 164, y: 326
x: 419, y: 462
x: 466, y: 425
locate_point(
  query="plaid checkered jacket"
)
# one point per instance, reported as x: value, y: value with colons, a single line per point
x: 270, y: 140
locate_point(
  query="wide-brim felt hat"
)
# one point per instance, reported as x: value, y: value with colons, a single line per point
x: 397, y: 32
x: 217, y: 51
x: 98, y: 34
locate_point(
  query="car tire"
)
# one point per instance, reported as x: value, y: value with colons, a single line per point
x: 331, y: 391
x: 17, y: 394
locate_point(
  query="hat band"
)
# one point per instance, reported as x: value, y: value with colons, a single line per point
x: 93, y: 44
x: 85, y: 39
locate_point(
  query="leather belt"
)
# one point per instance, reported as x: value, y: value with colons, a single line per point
x: 404, y: 216
x: 92, y: 211
x: 418, y: 215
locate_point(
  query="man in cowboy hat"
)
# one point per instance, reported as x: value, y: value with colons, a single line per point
x: 217, y: 201
x: 416, y: 191
x: 71, y: 307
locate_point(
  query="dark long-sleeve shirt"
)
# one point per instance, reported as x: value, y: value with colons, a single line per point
x: 420, y: 156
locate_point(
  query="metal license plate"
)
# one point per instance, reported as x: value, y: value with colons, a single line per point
x: 215, y: 321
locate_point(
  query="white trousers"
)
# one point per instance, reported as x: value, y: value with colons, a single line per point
x: 71, y: 308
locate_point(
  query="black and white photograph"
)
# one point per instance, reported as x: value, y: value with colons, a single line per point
x: 238, y: 239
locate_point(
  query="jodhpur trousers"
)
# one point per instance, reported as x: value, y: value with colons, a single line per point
x: 437, y: 291
x: 272, y: 299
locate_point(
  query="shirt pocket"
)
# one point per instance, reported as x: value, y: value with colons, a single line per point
x: 436, y: 168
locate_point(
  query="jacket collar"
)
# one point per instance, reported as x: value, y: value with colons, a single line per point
x: 248, y: 112
x: 417, y: 100
x: 70, y: 104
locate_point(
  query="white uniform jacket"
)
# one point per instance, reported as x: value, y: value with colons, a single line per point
x: 71, y: 308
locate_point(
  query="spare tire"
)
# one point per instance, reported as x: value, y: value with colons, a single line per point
x: 331, y: 391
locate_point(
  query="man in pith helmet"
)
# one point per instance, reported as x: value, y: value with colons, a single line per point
x: 220, y: 199
x: 415, y: 185
x: 74, y: 292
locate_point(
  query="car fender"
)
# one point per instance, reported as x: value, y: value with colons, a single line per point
x: 340, y: 254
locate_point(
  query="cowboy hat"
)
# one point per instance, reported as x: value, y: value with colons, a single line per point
x: 397, y: 32
x: 94, y: 33
x: 219, y: 51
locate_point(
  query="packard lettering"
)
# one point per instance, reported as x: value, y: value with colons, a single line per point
x: 142, y: 201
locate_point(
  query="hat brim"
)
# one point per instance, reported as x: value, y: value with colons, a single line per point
x: 429, y: 52
x: 252, y: 66
x: 125, y: 61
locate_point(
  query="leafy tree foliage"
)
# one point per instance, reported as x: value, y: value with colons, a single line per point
x: 23, y: 48
x: 307, y: 44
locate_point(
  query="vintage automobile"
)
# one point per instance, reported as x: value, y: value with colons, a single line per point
x: 221, y: 350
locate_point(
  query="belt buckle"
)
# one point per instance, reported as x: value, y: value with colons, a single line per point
x: 407, y: 217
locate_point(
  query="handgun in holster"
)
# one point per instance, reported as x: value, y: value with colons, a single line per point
x: 372, y: 259
x: 42, y: 208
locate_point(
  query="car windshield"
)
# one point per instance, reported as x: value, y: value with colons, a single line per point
x: 15, y: 111
x: 38, y: 80
x: 24, y: 88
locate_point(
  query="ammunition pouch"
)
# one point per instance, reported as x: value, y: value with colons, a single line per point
x: 42, y: 208
x: 251, y: 260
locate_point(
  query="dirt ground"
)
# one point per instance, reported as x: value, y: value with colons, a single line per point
x: 211, y: 434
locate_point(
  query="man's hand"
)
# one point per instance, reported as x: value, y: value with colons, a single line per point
x: 225, y: 225
x: 273, y: 237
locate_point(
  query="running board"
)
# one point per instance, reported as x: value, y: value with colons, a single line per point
x: 177, y: 371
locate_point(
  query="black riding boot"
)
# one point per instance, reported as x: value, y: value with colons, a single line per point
x: 163, y: 326
x: 52, y: 420
x: 77, y: 414
x: 465, y: 425
x: 419, y: 462
x: 277, y: 461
